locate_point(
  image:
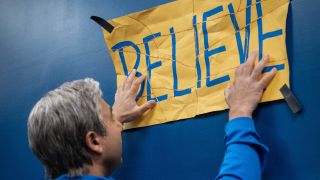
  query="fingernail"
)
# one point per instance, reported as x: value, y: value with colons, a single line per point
x: 153, y: 103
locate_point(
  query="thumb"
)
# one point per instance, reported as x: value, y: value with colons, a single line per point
x: 227, y: 93
x: 148, y: 105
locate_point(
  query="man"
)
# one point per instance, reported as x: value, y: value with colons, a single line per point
x: 77, y: 135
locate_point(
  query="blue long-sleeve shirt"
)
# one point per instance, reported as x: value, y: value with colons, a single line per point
x: 245, y: 155
x: 84, y: 177
x: 244, y: 158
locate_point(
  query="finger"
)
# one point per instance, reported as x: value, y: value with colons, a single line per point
x: 259, y: 68
x: 136, y: 84
x: 267, y: 78
x: 130, y: 79
x: 238, y: 71
x: 122, y: 84
x: 248, y: 66
x: 148, y: 105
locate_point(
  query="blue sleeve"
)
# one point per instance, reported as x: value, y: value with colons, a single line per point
x: 245, y: 156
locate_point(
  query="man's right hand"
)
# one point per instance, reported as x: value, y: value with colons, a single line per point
x: 245, y: 93
x: 125, y: 108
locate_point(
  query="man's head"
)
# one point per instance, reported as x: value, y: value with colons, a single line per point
x: 71, y: 128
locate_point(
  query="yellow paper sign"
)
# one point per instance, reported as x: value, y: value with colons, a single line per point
x: 189, y: 50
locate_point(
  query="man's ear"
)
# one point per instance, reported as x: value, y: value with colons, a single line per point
x: 94, y: 142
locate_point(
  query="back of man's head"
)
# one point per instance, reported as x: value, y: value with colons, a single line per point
x: 58, y: 123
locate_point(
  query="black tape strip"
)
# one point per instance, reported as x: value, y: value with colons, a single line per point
x: 292, y: 101
x: 103, y: 23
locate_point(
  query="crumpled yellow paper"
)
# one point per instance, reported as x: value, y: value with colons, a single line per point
x: 189, y: 50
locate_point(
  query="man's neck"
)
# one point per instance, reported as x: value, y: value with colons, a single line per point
x: 97, y: 170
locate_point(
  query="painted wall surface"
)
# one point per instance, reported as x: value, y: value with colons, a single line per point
x: 45, y: 43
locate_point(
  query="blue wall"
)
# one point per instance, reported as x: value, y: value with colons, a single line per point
x: 45, y: 43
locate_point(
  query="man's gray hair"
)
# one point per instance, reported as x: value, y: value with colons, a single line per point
x: 58, y: 124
